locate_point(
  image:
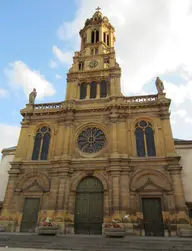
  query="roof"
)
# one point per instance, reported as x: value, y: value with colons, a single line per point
x: 182, y: 141
x: 9, y: 149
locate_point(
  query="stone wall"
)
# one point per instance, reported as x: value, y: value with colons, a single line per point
x: 7, y: 156
x: 184, y: 149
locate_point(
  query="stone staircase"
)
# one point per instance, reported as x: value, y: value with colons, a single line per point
x: 95, y: 243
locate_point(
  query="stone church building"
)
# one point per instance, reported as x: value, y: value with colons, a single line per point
x: 98, y: 155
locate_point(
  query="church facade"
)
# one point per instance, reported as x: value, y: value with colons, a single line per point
x: 98, y: 155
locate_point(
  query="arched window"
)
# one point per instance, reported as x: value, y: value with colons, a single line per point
x: 83, y: 91
x: 108, y: 40
x: 92, y: 37
x: 97, y: 36
x: 103, y: 89
x: 93, y: 90
x: 144, y: 139
x: 104, y: 37
x: 41, y: 144
x: 81, y: 66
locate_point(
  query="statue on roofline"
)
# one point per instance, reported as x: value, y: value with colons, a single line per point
x: 159, y: 85
x: 32, y: 96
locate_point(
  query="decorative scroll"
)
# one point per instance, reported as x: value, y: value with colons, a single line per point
x: 91, y: 140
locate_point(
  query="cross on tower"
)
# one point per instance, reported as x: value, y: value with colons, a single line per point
x: 98, y: 8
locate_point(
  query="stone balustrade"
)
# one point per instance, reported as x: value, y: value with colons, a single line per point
x: 139, y: 99
x: 132, y: 99
x: 47, y: 106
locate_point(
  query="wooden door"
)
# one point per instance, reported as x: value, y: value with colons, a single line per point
x: 153, y: 220
x: 89, y: 207
x: 30, y: 214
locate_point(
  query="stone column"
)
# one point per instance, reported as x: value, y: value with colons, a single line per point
x: 88, y: 92
x: 98, y: 90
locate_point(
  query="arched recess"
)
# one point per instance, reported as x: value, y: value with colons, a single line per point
x: 75, y: 180
x: 152, y: 198
x: 89, y: 206
x: 30, y: 198
x: 33, y: 179
x: 145, y: 177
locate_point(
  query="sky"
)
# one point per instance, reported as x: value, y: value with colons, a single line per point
x: 38, y: 39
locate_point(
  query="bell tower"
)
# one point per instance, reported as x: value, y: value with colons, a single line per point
x: 95, y: 74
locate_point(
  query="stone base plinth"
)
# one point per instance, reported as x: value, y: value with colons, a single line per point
x: 69, y: 228
x: 129, y: 229
x: 46, y: 230
x: 114, y: 232
x: 8, y: 226
x: 184, y: 230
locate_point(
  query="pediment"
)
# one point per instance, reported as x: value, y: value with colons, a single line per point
x: 150, y: 186
x: 34, y: 187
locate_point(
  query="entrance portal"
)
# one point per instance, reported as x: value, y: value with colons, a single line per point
x: 89, y: 206
x: 153, y: 220
x: 30, y: 215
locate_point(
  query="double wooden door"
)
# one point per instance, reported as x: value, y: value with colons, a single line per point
x: 30, y: 214
x: 89, y: 207
x: 153, y: 220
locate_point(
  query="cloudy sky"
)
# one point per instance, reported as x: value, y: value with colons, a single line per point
x: 39, y: 37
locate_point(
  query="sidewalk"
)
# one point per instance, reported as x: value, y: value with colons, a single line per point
x: 28, y: 249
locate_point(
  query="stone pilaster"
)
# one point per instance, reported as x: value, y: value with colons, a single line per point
x: 124, y: 192
x: 61, y: 193
x: 115, y: 175
x: 68, y: 133
x: 113, y: 118
x: 53, y: 194
x: 13, y: 175
x: 175, y: 173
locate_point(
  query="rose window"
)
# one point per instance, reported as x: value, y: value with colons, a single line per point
x: 91, y: 140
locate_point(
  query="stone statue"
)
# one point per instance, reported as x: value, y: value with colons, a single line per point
x: 159, y: 85
x: 32, y: 96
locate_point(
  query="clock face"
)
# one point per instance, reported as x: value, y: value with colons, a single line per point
x: 93, y: 64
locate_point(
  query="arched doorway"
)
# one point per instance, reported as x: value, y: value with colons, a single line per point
x: 89, y: 206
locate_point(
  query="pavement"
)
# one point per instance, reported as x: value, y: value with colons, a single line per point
x: 34, y: 242
x: 28, y: 249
